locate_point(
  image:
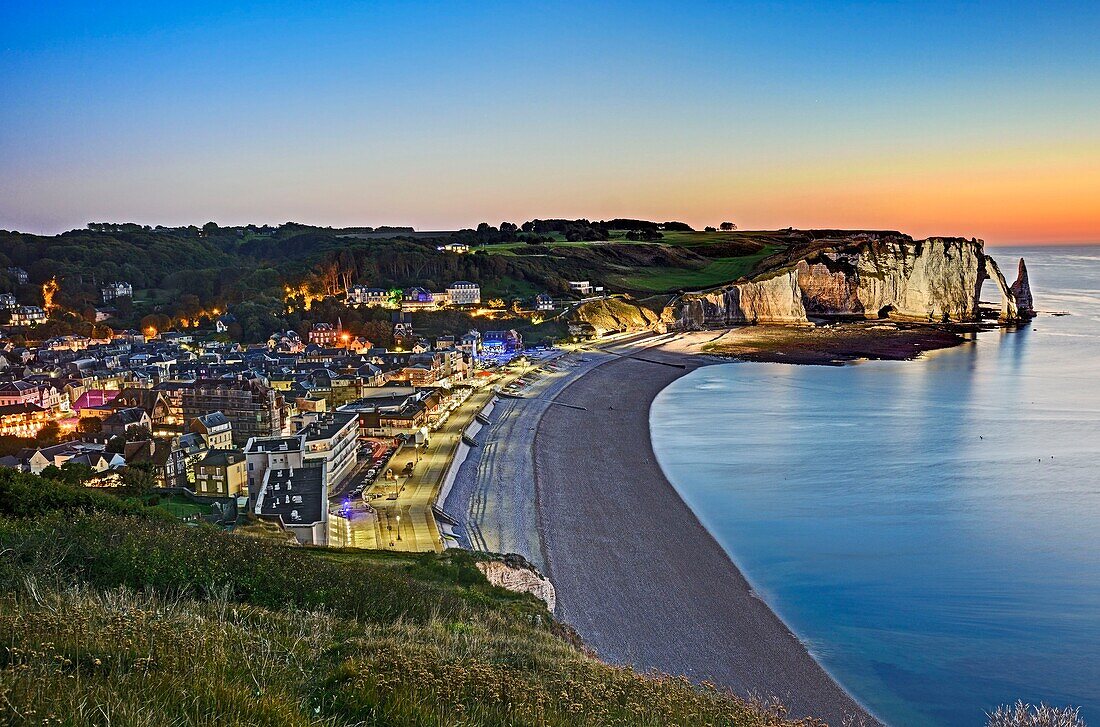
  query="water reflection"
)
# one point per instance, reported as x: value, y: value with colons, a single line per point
x: 932, y: 528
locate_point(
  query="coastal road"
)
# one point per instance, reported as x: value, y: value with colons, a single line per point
x: 636, y: 573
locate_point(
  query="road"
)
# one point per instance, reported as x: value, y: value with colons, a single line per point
x: 407, y: 523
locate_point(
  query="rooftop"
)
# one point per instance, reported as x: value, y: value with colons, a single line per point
x: 294, y: 495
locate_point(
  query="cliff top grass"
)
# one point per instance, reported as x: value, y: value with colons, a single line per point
x: 111, y: 613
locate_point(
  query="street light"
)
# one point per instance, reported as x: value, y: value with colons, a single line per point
x: 399, y: 527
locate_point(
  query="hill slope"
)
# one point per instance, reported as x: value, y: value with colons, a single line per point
x: 115, y: 614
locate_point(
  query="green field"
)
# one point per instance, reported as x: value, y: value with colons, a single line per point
x: 662, y: 280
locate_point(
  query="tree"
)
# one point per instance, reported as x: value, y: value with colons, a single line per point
x: 138, y: 434
x: 728, y: 226
x: 90, y: 425
x: 710, y: 229
x: 48, y: 434
x: 138, y: 479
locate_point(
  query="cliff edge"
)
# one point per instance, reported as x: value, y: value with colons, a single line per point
x: 860, y: 276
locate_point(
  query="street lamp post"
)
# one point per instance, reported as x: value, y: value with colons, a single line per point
x: 399, y: 527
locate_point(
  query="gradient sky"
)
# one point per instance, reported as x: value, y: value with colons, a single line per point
x: 976, y: 119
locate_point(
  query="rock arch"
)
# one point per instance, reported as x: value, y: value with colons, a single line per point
x: 1015, y: 301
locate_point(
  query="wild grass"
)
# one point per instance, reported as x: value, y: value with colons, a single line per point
x: 1022, y: 714
x: 130, y: 618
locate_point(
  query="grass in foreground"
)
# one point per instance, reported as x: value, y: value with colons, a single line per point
x: 113, y: 614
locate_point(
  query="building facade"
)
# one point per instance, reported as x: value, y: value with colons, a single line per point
x: 253, y: 410
x: 463, y: 292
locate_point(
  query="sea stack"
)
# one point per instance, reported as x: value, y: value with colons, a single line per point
x: 1021, y: 291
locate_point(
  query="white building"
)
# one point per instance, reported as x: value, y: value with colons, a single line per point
x: 362, y: 295
x: 117, y: 289
x: 8, y: 302
x: 28, y: 315
x: 463, y: 292
x: 459, y: 248
x: 544, y: 302
x: 584, y: 287
x: 332, y: 437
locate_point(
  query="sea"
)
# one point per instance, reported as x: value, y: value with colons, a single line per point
x: 930, y: 529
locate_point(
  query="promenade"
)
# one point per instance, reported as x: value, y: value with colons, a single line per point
x: 400, y: 515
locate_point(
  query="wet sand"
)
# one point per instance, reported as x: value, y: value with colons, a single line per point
x: 637, y: 575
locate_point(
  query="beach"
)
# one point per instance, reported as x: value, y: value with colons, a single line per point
x: 580, y: 493
x: 637, y: 575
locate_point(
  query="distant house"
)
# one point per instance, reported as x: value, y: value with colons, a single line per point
x: 471, y: 343
x: 325, y: 334
x: 215, y: 428
x: 19, y: 392
x: 8, y: 302
x: 117, y: 289
x: 458, y: 248
x: 296, y: 498
x: 28, y: 315
x: 362, y: 295
x: 584, y: 287
x: 19, y: 274
x: 168, y: 463
x: 221, y: 325
x: 463, y: 292
x: 423, y: 299
x: 402, y: 325
x: 22, y: 420
x: 544, y: 302
x: 123, y: 420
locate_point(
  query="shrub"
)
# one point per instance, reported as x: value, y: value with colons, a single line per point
x: 1022, y: 714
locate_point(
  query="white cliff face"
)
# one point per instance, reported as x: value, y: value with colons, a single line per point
x: 1009, y: 311
x: 520, y: 578
x: 772, y: 300
x: 1021, y: 291
x: 934, y: 281
x: 929, y: 280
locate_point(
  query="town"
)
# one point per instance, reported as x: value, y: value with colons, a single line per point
x: 291, y: 435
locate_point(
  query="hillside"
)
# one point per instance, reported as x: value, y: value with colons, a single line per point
x: 116, y: 614
x: 292, y: 275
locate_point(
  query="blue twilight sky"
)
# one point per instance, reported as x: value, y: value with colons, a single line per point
x: 934, y: 117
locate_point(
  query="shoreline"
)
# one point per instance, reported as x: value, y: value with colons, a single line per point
x: 638, y: 576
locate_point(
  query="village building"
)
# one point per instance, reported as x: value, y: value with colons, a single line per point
x: 28, y: 315
x: 365, y: 296
x: 215, y: 429
x: 117, y: 289
x: 463, y: 292
x: 222, y: 473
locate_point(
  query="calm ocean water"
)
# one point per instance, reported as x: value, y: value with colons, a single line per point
x: 931, y: 529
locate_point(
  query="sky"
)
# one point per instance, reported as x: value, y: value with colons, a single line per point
x: 979, y: 119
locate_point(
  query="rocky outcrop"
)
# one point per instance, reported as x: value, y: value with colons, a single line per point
x: 937, y: 280
x: 516, y: 574
x: 613, y: 315
x: 1009, y: 311
x: 1021, y: 291
x: 775, y: 299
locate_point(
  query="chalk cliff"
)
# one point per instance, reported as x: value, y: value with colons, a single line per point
x: 1021, y: 291
x: 516, y: 574
x: 937, y: 280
